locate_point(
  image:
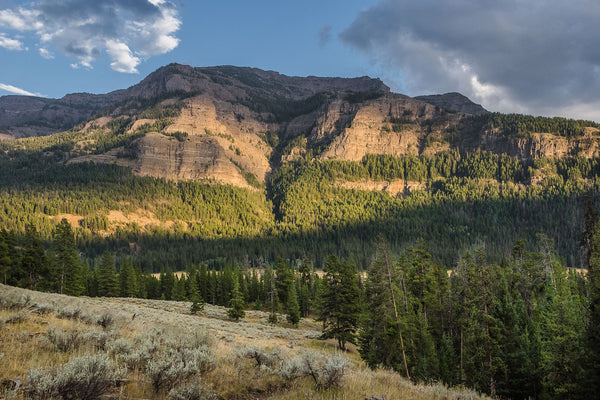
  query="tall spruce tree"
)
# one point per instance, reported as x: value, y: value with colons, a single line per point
x: 339, y: 302
x: 66, y: 264
x: 5, y: 259
x: 592, y: 337
x: 284, y: 278
x: 383, y: 333
x: 127, y: 279
x: 292, y: 308
x: 194, y: 293
x: 34, y: 262
x: 236, y: 304
x: 108, y: 285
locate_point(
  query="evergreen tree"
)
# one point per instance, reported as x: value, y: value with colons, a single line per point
x: 107, y: 279
x: 339, y: 307
x: 203, y: 278
x: 284, y: 278
x: 560, y: 324
x: 226, y: 284
x: 592, y: 336
x: 292, y: 309
x: 382, y: 334
x: 306, y: 283
x: 5, y: 259
x: 236, y: 304
x: 179, y: 291
x: 34, y: 262
x: 127, y: 279
x: 90, y: 277
x: 66, y: 263
x: 474, y: 292
x: 167, y: 284
x: 194, y: 293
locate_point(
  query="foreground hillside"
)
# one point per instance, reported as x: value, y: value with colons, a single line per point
x: 132, y: 348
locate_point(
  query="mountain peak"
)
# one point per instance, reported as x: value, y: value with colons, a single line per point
x: 454, y: 101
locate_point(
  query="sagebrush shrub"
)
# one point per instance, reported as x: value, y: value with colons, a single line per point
x: 42, y: 309
x: 176, y: 365
x: 192, y: 392
x: 69, y: 313
x: 326, y: 370
x: 86, y: 377
x: 40, y: 385
x: 106, y: 320
x: 14, y: 301
x: 63, y: 340
x: 119, y: 348
x: 260, y: 355
x: 97, y: 339
x: 16, y: 317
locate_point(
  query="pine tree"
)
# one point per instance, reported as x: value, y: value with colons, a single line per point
x: 292, y: 309
x: 67, y: 266
x: 127, y: 279
x: 339, y: 306
x: 90, y: 280
x: 34, y: 262
x: 167, y: 284
x: 382, y: 334
x: 5, y: 259
x: 560, y: 323
x: 179, y: 291
x: 194, y: 293
x: 236, y: 304
x: 284, y: 278
x: 592, y: 337
x: 304, y: 294
x: 107, y: 280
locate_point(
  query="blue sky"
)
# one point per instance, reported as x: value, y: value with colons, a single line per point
x: 291, y: 37
x: 538, y: 58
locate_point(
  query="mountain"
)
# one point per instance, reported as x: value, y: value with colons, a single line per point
x: 24, y: 116
x: 454, y: 102
x: 229, y: 163
x: 237, y: 122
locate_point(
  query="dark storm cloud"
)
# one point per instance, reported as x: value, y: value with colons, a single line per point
x: 127, y: 30
x: 519, y: 55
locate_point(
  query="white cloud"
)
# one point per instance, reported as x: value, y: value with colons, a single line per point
x: 20, y: 19
x: 124, y: 60
x: 11, y: 44
x: 16, y: 90
x: 126, y: 30
x: 45, y: 53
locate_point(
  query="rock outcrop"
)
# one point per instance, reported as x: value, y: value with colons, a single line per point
x: 234, y: 125
x: 453, y: 102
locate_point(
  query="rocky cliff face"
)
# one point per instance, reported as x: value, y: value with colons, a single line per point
x: 453, y: 102
x: 234, y: 125
x: 24, y: 116
x: 543, y: 144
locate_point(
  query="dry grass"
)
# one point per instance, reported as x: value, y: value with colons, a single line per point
x: 144, y: 330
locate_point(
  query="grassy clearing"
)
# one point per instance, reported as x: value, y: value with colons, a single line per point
x: 54, y: 346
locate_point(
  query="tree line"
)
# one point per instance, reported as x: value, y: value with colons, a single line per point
x: 523, y: 327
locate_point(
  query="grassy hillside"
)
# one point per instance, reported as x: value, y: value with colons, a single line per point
x: 156, y: 349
